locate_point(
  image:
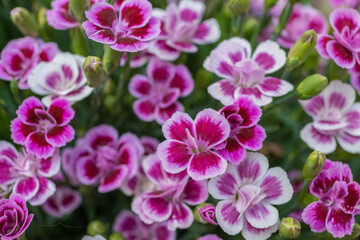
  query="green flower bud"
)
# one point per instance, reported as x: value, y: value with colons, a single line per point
x: 313, y: 165
x: 24, y: 21
x: 116, y: 236
x: 311, y: 86
x: 239, y: 7
x: 289, y: 228
x: 97, y: 228
x: 78, y: 42
x: 78, y: 7
x: 301, y: 49
x: 94, y: 71
x: 111, y: 59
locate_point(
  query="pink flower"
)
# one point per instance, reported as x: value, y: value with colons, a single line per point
x: 27, y: 174
x: 338, y: 196
x: 131, y: 227
x: 137, y: 61
x: 335, y: 116
x: 62, y: 77
x: 345, y: 3
x: 20, y: 56
x: 42, y: 131
x: 245, y: 133
x: 159, y: 90
x: 131, y: 32
x: 245, y: 75
x: 297, y: 180
x: 344, y: 47
x: 14, y: 217
x: 247, y: 192
x: 209, y: 237
x: 181, y: 27
x: 207, y: 213
x: 168, y: 202
x: 189, y: 144
x: 355, y: 77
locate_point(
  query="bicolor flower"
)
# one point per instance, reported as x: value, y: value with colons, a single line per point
x: 42, y: 131
x: 247, y: 193
x: 345, y: 3
x: 245, y: 133
x: 336, y: 117
x: 338, y: 196
x: 14, y: 216
x: 181, y: 29
x: 62, y: 77
x: 27, y: 174
x: 159, y: 91
x: 169, y: 201
x: 131, y: 227
x: 129, y: 32
x: 190, y: 143
x: 344, y: 46
x: 20, y: 56
x: 245, y: 75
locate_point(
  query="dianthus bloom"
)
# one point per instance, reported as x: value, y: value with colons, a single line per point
x: 159, y: 91
x: 131, y: 227
x: 335, y: 116
x: 20, y: 56
x: 338, y: 196
x: 245, y: 75
x: 27, y: 174
x: 181, y: 27
x: 189, y: 144
x: 42, y: 131
x: 14, y: 217
x: 247, y: 192
x: 169, y: 201
x: 62, y: 77
x: 344, y: 47
x: 131, y: 32
x: 207, y: 213
x: 345, y: 3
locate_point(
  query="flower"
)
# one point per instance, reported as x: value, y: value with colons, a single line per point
x: 209, y: 237
x: 14, y: 217
x: 207, y: 213
x: 42, y: 131
x: 245, y: 133
x: 335, y: 116
x: 181, y: 27
x: 244, y: 75
x: 28, y: 175
x: 131, y: 32
x: 168, y: 202
x: 97, y: 237
x: 345, y: 3
x: 343, y: 48
x: 355, y: 77
x: 62, y: 77
x: 131, y: 227
x: 247, y: 192
x: 137, y: 61
x: 20, y: 56
x: 158, y: 92
x: 338, y: 196
x: 189, y: 144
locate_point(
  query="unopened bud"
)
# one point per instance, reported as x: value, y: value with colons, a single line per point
x: 289, y: 228
x: 111, y: 59
x: 205, y: 213
x: 94, y: 71
x: 97, y: 228
x: 239, y: 7
x: 24, y: 21
x: 78, y: 7
x: 313, y: 165
x: 311, y: 86
x: 116, y: 236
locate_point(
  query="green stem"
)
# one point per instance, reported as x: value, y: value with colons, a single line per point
x: 285, y: 74
x: 236, y: 25
x: 284, y: 18
x: 87, y: 41
x: 282, y: 100
x: 255, y: 35
x: 122, y: 79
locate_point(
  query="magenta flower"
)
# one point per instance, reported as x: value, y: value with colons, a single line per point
x: 344, y: 47
x: 338, y: 196
x: 189, y: 144
x: 131, y: 32
x: 181, y: 27
x: 42, y: 131
x: 137, y: 61
x: 345, y: 3
x: 335, y: 116
x: 209, y: 237
x: 168, y: 202
x: 28, y: 175
x: 247, y: 192
x: 207, y: 213
x: 245, y: 133
x: 131, y: 227
x: 355, y: 77
x: 62, y: 77
x: 14, y: 217
x: 158, y: 92
x: 245, y: 75
x: 20, y: 56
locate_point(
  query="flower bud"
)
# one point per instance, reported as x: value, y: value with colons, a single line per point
x: 111, y: 59
x: 205, y: 213
x: 94, y: 71
x: 311, y: 86
x: 313, y: 165
x: 301, y: 49
x: 289, y: 228
x: 97, y: 228
x: 24, y: 21
x: 239, y: 7
x: 116, y: 236
x: 78, y: 7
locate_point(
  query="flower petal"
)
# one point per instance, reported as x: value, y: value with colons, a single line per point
x: 159, y: 209
x: 49, y: 167
x: 223, y: 91
x: 163, y: 51
x: 253, y: 168
x: 228, y: 217
x: 206, y: 165
x: 352, y: 199
x: 26, y: 111
x: 128, y: 44
x: 317, y: 140
x: 182, y: 80
x: 262, y: 215
x: 195, y: 192
x: 174, y: 155
x: 46, y: 189
x: 147, y: 32
x: 251, y: 138
x: 255, y: 94
x: 164, y: 114
x: 59, y: 136
x: 113, y: 179
x: 315, y: 215
x: 102, y: 15
x: 275, y: 87
x: 61, y: 111
x: 98, y: 34
x: 87, y: 171
x: 125, y: 221
x: 349, y: 142
x: 345, y: 17
x: 135, y: 13
x: 224, y: 186
x: 160, y: 72
x: 315, y: 106
x: 181, y: 217
x: 175, y: 127
x: 233, y: 151
x: 322, y: 40
x: 341, y: 56
x: 251, y: 233
x: 269, y: 56
x: 339, y: 96
x: 36, y: 144
x: 27, y: 187
x: 139, y: 86
x: 339, y: 223
x: 144, y: 109
x: 207, y: 32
